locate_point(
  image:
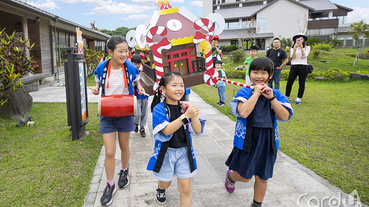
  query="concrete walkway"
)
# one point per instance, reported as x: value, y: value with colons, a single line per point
x: 292, y: 184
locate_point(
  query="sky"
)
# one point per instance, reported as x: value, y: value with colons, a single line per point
x: 111, y: 14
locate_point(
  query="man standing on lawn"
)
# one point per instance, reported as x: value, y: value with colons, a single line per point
x: 277, y: 55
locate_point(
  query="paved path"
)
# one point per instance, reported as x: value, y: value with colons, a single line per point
x: 292, y: 184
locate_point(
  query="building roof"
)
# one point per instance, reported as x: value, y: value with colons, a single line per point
x: 343, y: 7
x: 319, y: 5
x: 249, y: 11
x: 23, y: 5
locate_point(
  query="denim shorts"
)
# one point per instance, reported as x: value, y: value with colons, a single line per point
x: 113, y: 124
x: 175, y: 163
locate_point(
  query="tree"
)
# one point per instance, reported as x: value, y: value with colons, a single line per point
x: 359, y: 29
x: 92, y: 58
x: 248, y: 34
x: 121, y: 31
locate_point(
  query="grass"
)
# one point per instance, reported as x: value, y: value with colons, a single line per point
x: 91, y: 81
x: 328, y: 133
x: 41, y: 165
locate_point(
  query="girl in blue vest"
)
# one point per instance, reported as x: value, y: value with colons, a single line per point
x: 115, y: 76
x: 256, y: 132
x: 172, y: 128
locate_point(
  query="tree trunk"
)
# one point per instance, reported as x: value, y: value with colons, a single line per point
x: 18, y: 105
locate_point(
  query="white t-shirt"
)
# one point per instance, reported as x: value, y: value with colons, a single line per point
x: 300, y: 60
x: 116, y: 83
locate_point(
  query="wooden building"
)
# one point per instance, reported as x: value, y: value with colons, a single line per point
x: 48, y: 32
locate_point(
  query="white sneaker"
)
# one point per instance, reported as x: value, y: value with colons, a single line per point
x: 298, y: 101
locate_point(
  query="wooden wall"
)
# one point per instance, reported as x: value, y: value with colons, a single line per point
x: 34, y: 38
x: 46, y: 55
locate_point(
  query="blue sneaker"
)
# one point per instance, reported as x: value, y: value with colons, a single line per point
x: 298, y: 101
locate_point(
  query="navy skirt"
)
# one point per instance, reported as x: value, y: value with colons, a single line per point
x: 259, y: 161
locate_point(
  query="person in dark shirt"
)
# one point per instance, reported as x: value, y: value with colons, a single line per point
x: 277, y: 55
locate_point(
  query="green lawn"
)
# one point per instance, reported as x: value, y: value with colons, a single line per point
x: 328, y: 133
x: 41, y: 165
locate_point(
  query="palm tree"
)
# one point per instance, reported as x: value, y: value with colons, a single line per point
x: 359, y: 29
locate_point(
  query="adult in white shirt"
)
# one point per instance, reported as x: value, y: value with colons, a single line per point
x: 299, y: 65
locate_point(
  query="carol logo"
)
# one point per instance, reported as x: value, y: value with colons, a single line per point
x: 341, y: 200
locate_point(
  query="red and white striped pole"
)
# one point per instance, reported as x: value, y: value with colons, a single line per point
x: 237, y: 83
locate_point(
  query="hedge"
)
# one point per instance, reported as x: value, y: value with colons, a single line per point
x: 332, y: 74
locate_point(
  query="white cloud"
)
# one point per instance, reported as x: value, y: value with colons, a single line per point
x: 154, y: 1
x: 136, y: 17
x: 358, y: 14
x: 98, y: 2
x: 196, y: 3
x: 144, y: 1
x: 120, y: 8
x: 48, y: 4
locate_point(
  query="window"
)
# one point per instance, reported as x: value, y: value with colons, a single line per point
x: 262, y: 23
x: 229, y: 6
x: 232, y: 25
x: 341, y: 20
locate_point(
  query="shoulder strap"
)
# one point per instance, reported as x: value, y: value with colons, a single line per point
x: 125, y: 68
x: 105, y: 72
x: 161, y: 155
x: 188, y: 141
x: 248, y: 137
x: 272, y: 137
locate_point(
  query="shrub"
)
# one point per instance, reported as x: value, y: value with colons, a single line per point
x: 14, y: 64
x: 336, y: 42
x: 229, y: 48
x: 351, y: 54
x: 332, y: 74
x: 360, y: 55
x: 92, y: 58
x: 284, y: 74
x: 335, y: 74
x: 235, y: 74
x: 322, y: 46
x: 285, y: 43
x: 237, y: 55
x: 316, y: 53
x: 363, y: 72
x: 312, y: 41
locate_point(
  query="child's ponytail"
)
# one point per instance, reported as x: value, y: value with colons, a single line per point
x: 156, y: 99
